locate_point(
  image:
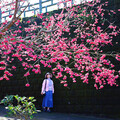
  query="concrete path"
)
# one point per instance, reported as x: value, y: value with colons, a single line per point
x: 65, y: 116
x: 54, y: 116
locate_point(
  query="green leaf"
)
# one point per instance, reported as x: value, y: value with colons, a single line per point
x: 25, y: 106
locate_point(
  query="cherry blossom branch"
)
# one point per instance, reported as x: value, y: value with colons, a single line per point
x: 49, y: 31
x: 45, y: 31
x: 14, y: 19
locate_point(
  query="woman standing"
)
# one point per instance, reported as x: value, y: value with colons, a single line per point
x: 48, y: 90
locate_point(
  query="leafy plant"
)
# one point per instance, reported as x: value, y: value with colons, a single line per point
x: 24, y: 109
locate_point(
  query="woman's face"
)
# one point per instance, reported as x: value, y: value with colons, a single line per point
x: 48, y: 76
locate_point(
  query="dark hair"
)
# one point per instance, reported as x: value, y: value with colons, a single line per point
x: 48, y: 74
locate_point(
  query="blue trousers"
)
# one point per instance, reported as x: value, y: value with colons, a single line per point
x: 48, y: 99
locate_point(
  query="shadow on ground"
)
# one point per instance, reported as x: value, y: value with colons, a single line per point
x: 54, y: 116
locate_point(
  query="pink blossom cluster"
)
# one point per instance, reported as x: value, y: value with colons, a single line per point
x: 68, y: 43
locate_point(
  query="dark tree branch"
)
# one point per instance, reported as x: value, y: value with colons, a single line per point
x: 14, y: 19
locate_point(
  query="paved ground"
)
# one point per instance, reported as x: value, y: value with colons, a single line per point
x: 54, y: 116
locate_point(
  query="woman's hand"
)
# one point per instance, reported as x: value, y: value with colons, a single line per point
x: 41, y: 93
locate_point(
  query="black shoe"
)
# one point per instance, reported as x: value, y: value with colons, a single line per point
x: 44, y: 109
x: 48, y: 110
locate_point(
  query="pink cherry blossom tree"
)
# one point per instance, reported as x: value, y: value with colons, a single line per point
x: 69, y: 43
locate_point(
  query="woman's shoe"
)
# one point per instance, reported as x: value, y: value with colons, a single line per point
x: 44, y: 109
x: 48, y: 110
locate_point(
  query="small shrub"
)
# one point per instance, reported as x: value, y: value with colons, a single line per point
x: 24, y: 109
